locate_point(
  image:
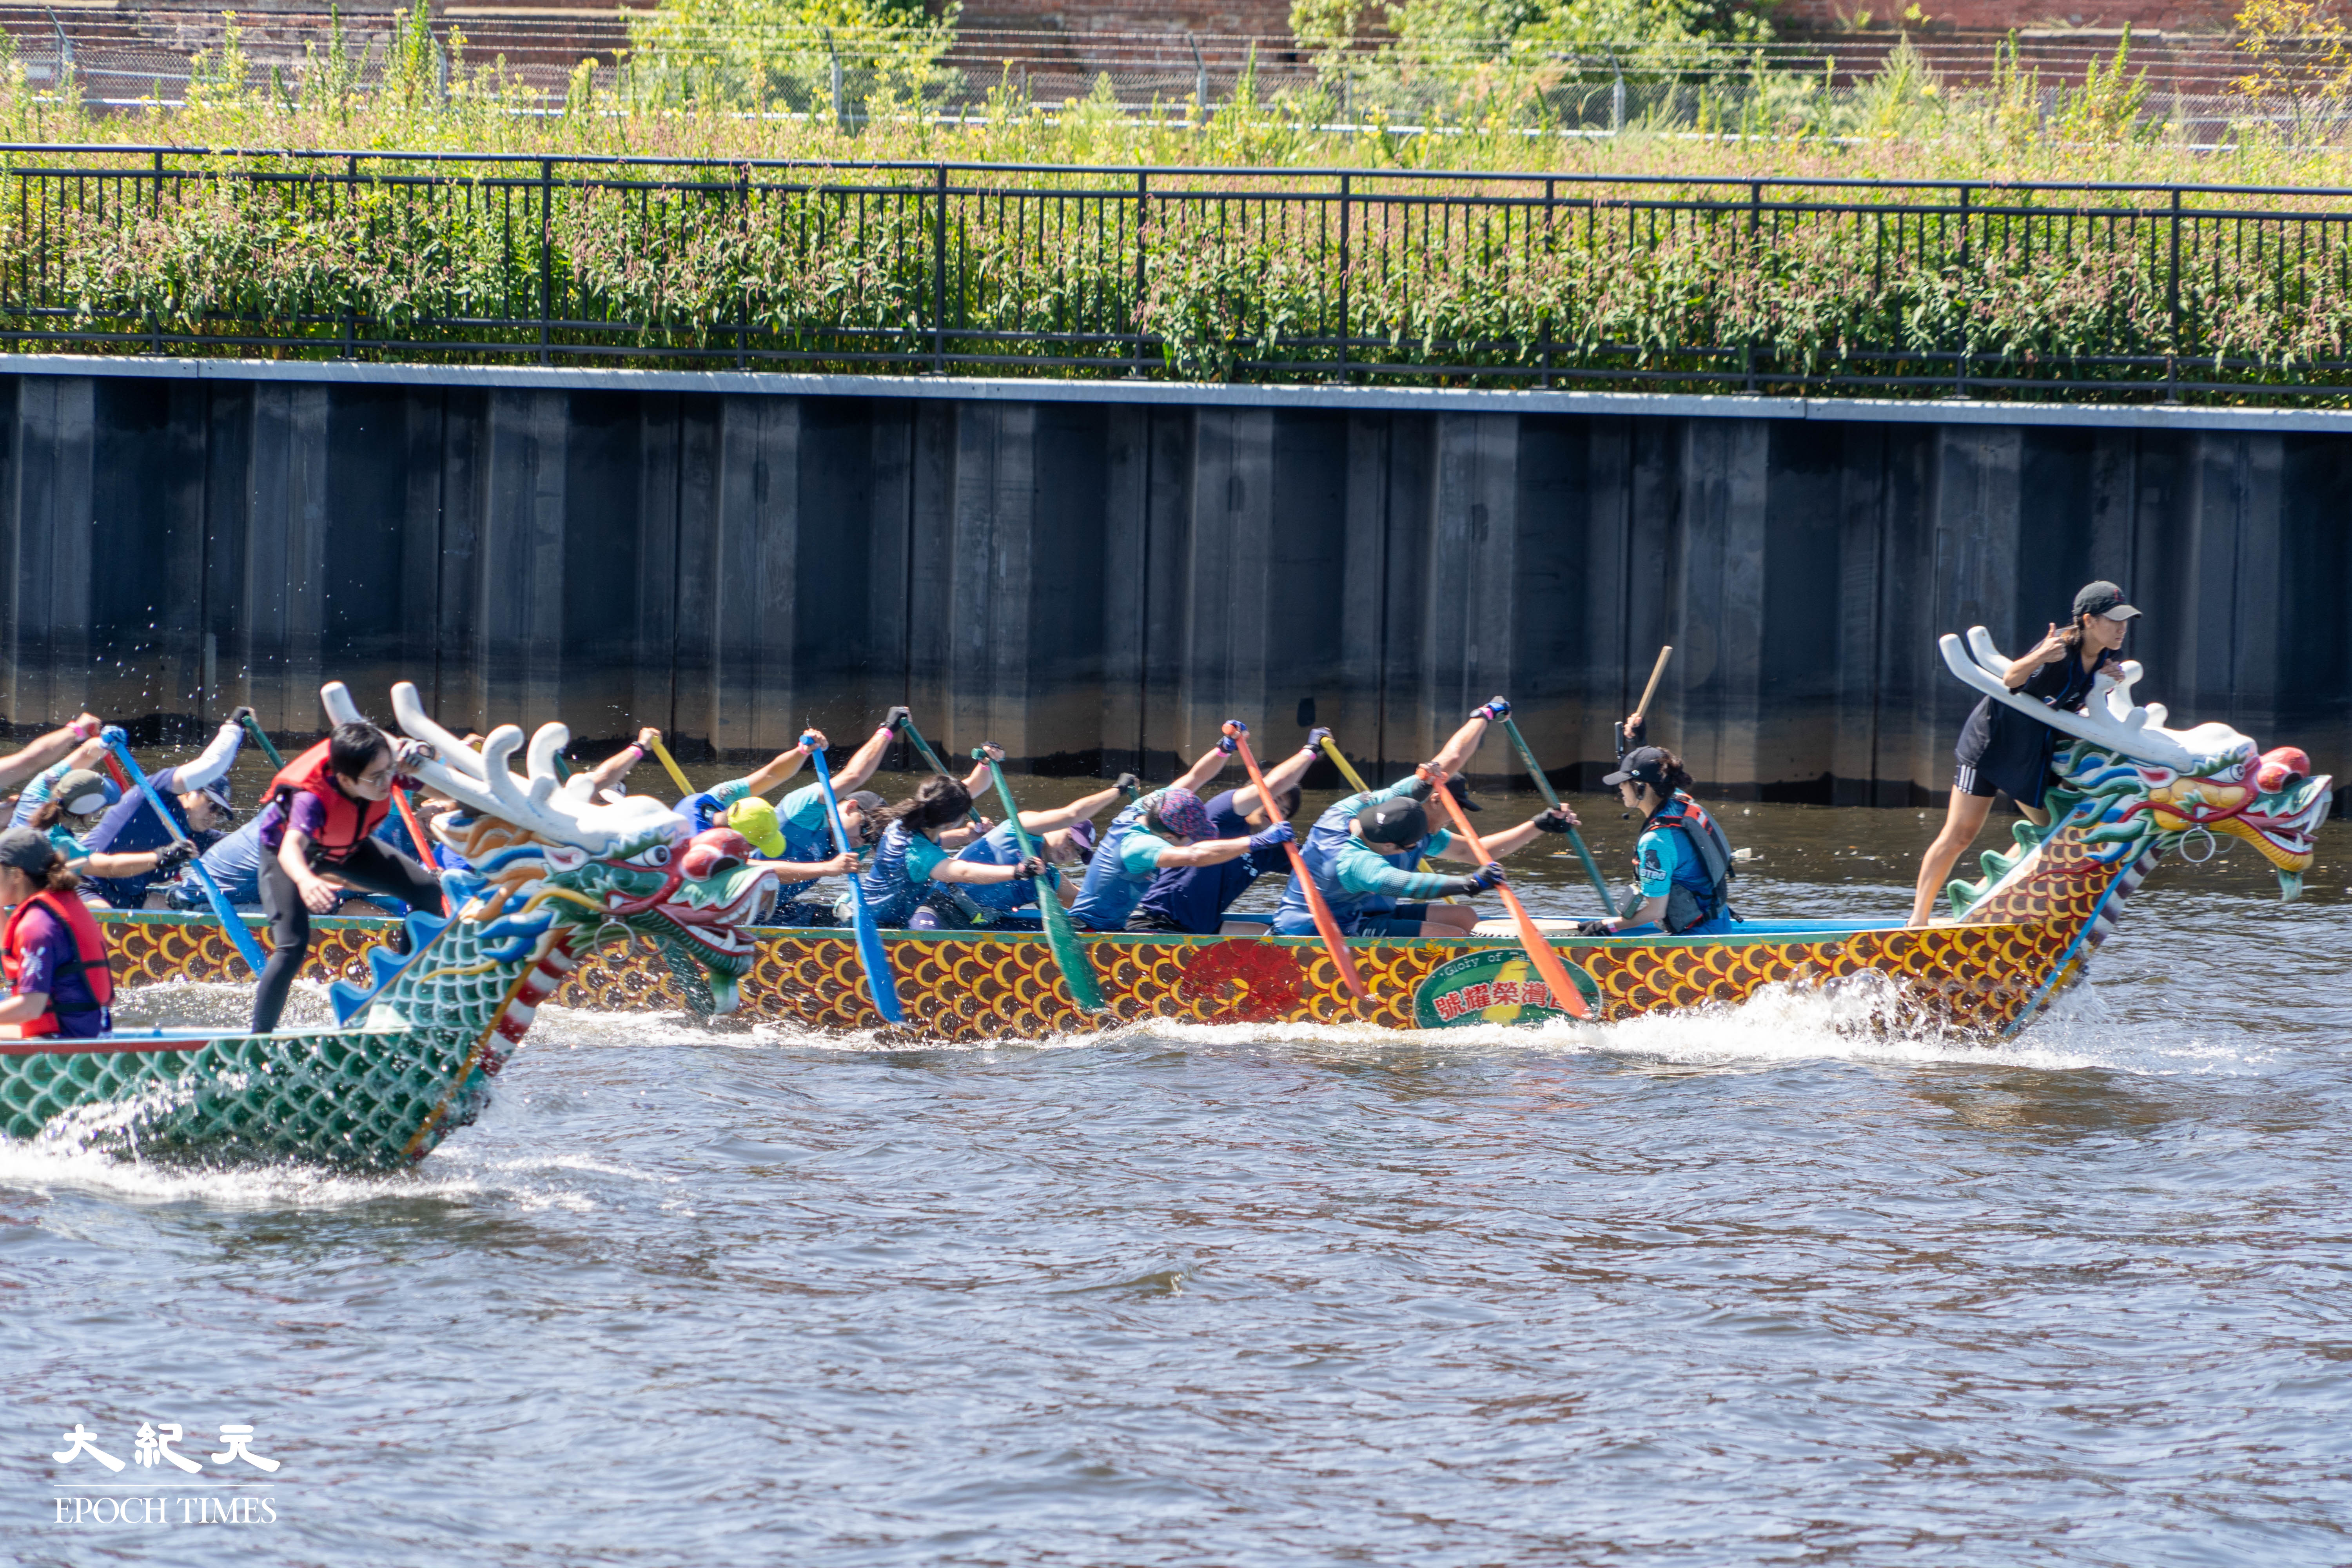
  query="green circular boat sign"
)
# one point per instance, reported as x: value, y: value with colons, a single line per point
x: 1498, y: 985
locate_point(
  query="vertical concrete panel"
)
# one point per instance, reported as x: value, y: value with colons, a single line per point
x: 459, y: 696
x: 1716, y: 680
x: 1552, y: 560
x: 699, y: 528
x: 755, y: 622
x: 931, y: 561
x: 227, y: 412
x: 1232, y: 571
x: 890, y: 459
x: 1125, y: 579
x: 653, y: 688
x: 521, y: 588
x: 1405, y: 614
x: 423, y: 474
x: 286, y: 555
x: 1352, y: 705
x: 1470, y: 630
x: 1064, y: 630
x: 1175, y: 478
x: 52, y: 459
x: 2227, y: 642
x: 1971, y: 580
x: 1861, y: 546
x: 1906, y: 659
x: 1601, y: 592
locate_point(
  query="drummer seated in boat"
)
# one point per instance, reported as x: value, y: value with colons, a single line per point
x: 1685, y: 859
x: 1364, y: 852
x: 51, y: 948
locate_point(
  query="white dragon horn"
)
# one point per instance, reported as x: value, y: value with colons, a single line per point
x: 2109, y: 720
x: 454, y: 754
x: 336, y: 699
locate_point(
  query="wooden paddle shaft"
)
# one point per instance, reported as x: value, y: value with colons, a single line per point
x: 1326, y: 925
x: 1657, y: 673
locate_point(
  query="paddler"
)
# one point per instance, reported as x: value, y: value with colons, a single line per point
x: 51, y: 948
x: 315, y: 833
x: 909, y: 857
x: 1065, y: 837
x: 1173, y: 832
x: 1191, y: 901
x: 195, y: 792
x: 1685, y: 859
x: 70, y: 797
x: 1363, y: 850
x: 2001, y: 749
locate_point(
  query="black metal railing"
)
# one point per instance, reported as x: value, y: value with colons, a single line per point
x: 1336, y: 276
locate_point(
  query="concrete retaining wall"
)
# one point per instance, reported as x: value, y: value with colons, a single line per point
x: 1095, y: 576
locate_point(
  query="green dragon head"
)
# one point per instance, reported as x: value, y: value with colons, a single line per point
x: 549, y: 857
x: 2135, y: 790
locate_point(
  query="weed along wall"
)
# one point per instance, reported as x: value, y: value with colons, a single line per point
x: 1088, y: 573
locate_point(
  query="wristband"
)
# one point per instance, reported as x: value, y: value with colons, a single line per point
x: 639, y: 749
x: 83, y: 728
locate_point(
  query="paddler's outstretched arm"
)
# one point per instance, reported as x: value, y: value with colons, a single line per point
x: 784, y: 764
x: 1085, y: 808
x: 615, y: 768
x: 1212, y: 762
x: 853, y: 775
x: 1453, y: 756
x: 38, y: 754
x: 1283, y: 774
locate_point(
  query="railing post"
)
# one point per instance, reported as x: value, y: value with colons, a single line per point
x: 1346, y: 186
x: 1135, y: 313
x: 1551, y: 218
x: 351, y: 205
x: 939, y: 276
x: 1960, y: 377
x: 546, y: 265
x: 1754, y: 222
x: 155, y: 208
x: 2172, y: 310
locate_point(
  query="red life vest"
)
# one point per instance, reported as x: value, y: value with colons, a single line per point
x: 349, y: 821
x: 89, y: 956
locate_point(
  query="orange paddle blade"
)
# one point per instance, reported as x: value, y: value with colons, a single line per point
x: 1326, y: 925
x: 1539, y: 951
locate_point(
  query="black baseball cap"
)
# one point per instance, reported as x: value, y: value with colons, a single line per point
x: 1643, y: 765
x: 2103, y: 598
x: 1460, y: 791
x: 27, y: 849
x: 1398, y: 821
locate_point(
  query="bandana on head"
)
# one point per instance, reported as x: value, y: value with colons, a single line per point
x: 1180, y: 815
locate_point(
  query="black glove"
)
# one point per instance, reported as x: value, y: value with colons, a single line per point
x: 1028, y: 869
x: 1553, y: 819
x: 1633, y: 739
x: 237, y: 716
x: 896, y: 716
x: 171, y: 856
x: 1230, y: 743
x: 1490, y: 875
x: 1494, y: 710
x: 1127, y: 784
x: 1420, y: 788
x: 1595, y: 928
x: 1317, y: 736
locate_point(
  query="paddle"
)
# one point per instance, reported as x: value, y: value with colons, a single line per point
x: 417, y: 837
x: 1325, y: 924
x: 930, y: 756
x: 1657, y: 673
x: 669, y: 765
x: 1527, y: 755
x: 870, y: 950
x: 1539, y: 951
x: 1070, y: 953
x: 1356, y: 782
x: 117, y: 745
x: 253, y: 728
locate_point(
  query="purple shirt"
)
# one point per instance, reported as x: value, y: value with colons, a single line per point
x: 309, y: 813
x: 47, y: 945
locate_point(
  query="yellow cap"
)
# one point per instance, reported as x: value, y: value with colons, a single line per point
x: 755, y: 819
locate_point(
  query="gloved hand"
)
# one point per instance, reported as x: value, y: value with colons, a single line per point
x: 1490, y: 875
x: 1462, y: 887
x: 1494, y: 710
x: 1267, y: 839
x: 1029, y: 868
x: 1424, y: 784
x: 1317, y: 736
x: 1230, y: 743
x: 896, y: 716
x: 1555, y: 819
x: 996, y: 753
x: 1632, y: 733
x: 1127, y: 784
x: 237, y: 716
x: 171, y: 856
x: 1595, y: 928
x: 406, y: 754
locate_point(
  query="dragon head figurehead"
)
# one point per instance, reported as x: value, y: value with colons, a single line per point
x: 2133, y: 788
x: 551, y: 858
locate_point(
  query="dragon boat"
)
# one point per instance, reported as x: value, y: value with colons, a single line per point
x: 422, y: 1034
x: 2128, y: 790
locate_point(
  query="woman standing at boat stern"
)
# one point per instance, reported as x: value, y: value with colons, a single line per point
x: 2001, y: 749
x: 51, y: 947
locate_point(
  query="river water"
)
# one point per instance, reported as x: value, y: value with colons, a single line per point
x: 1757, y: 1287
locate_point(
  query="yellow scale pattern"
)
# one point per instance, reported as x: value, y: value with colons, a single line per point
x: 1979, y: 976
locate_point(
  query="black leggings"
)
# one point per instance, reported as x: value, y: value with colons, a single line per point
x: 372, y: 866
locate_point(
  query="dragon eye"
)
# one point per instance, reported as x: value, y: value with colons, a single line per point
x: 658, y: 855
